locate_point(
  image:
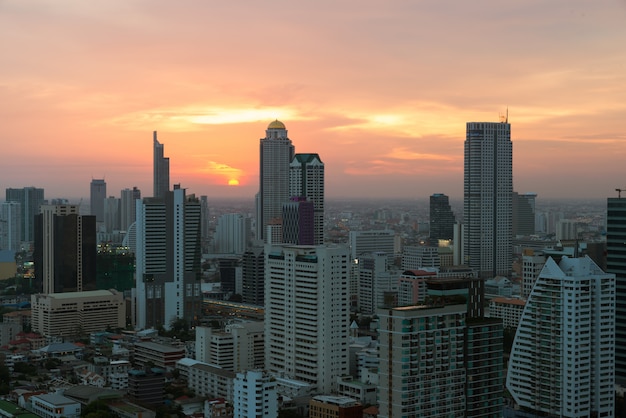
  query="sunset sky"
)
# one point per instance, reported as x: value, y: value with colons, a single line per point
x: 380, y: 89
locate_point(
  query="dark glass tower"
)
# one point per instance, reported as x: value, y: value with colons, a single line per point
x: 161, y: 169
x: 441, y: 218
x: 616, y: 264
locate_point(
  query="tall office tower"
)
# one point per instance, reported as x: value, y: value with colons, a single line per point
x: 205, y: 227
x: 98, y: 193
x: 128, y: 212
x: 421, y: 368
x: 10, y: 226
x: 616, y: 264
x: 168, y: 259
x: 307, y: 313
x: 65, y: 250
x: 563, y: 356
x: 232, y: 234
x: 488, y: 190
x: 375, y: 281
x: 161, y: 169
x: 441, y: 219
x: 366, y: 242
x: 276, y: 153
x: 231, y: 274
x: 306, y: 179
x: 253, y: 276
x: 112, y: 214
x: 523, y: 219
x: 255, y: 395
x: 298, y: 225
x: 30, y: 199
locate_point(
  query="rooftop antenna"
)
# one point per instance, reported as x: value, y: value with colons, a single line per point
x: 507, y: 115
x: 619, y: 192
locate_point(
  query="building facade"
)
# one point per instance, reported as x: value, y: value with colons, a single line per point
x: 441, y: 219
x: 306, y: 180
x: 71, y: 314
x: 488, y: 191
x: 30, y: 200
x: 65, y: 250
x: 10, y: 226
x: 168, y: 257
x: 160, y: 169
x: 523, y: 213
x: 563, y: 356
x: 255, y: 395
x: 616, y: 264
x: 307, y: 313
x: 276, y: 154
x: 97, y: 195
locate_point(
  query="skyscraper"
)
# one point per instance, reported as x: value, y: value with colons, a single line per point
x: 168, y: 259
x: 128, y: 199
x: 616, y: 264
x: 65, y: 250
x: 307, y: 313
x: 276, y: 154
x: 298, y: 221
x: 98, y: 193
x: 253, y: 275
x: 441, y: 219
x: 10, y: 226
x: 30, y: 199
x: 523, y: 213
x: 306, y: 180
x: 161, y: 169
x: 488, y: 189
x: 562, y: 360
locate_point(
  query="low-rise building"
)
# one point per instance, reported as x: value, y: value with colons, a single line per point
x: 334, y: 407
x: 77, y: 313
x: 55, y: 406
x: 158, y: 355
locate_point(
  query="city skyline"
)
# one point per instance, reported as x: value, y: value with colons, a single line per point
x: 381, y: 92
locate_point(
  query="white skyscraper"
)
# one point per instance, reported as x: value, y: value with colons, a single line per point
x: 563, y: 358
x: 306, y: 179
x: 488, y: 191
x: 307, y: 313
x: 167, y: 259
x: 276, y: 153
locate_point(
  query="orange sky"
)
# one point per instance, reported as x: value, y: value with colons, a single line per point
x: 381, y: 90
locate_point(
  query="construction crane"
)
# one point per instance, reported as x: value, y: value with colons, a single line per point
x: 619, y: 192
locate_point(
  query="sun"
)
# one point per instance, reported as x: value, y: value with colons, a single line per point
x: 233, y: 182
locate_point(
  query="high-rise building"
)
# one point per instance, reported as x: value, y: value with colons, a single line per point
x: 366, y: 242
x: 253, y: 276
x: 65, y: 250
x: 276, y: 154
x: 523, y: 219
x: 128, y: 200
x: 255, y: 395
x: 30, y: 199
x: 375, y: 281
x: 488, y: 190
x: 306, y: 179
x: 161, y: 169
x: 10, y: 226
x: 616, y: 264
x: 98, y: 193
x: 421, y: 369
x: 307, y: 313
x: 112, y: 214
x: 168, y: 259
x: 441, y: 219
x: 232, y: 234
x: 563, y: 356
x: 298, y: 225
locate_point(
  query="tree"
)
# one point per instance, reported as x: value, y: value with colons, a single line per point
x: 97, y: 409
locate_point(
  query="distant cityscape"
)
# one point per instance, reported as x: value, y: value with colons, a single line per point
x: 503, y: 303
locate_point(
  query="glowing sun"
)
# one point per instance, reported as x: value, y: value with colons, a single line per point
x: 233, y: 182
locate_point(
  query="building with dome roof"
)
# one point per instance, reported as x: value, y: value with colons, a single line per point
x: 276, y: 153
